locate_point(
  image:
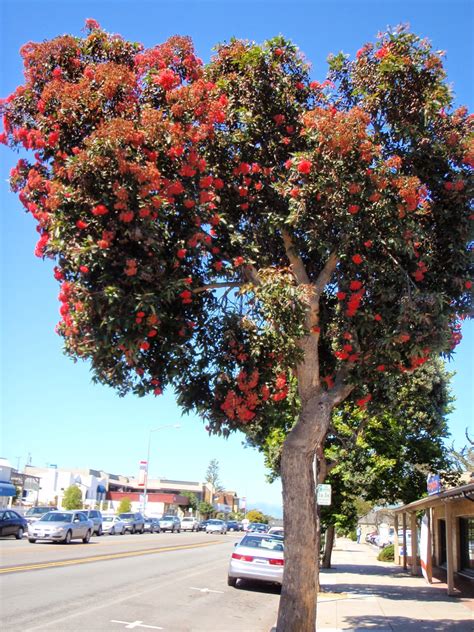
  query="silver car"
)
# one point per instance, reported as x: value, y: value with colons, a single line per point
x: 113, y: 525
x: 61, y: 526
x: 257, y: 557
x: 216, y: 526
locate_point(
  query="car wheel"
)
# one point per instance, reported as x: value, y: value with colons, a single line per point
x: 32, y: 540
x: 19, y: 533
x: 232, y: 581
x: 179, y: 530
x: 87, y: 537
x: 100, y: 532
x: 68, y: 537
x: 142, y: 530
x: 112, y: 531
x: 132, y: 530
x: 123, y: 532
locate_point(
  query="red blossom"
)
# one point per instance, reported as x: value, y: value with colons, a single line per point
x: 357, y: 259
x: 100, y: 209
x: 304, y: 166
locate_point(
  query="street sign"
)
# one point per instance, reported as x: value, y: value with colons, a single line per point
x: 323, y: 494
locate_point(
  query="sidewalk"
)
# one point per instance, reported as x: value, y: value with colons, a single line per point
x: 360, y: 593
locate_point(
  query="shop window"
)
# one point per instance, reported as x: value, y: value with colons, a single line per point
x: 467, y: 544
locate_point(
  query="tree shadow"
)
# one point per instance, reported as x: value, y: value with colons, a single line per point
x: 396, y: 593
x: 406, y: 624
x: 357, y: 569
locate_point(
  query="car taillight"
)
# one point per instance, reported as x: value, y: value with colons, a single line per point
x: 277, y: 562
x: 244, y: 558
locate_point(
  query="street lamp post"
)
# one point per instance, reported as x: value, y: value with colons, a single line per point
x: 145, y: 488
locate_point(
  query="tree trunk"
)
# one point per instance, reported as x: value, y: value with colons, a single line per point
x: 297, y: 610
x: 328, y: 546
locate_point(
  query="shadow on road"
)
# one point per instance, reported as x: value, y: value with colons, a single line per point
x: 261, y: 587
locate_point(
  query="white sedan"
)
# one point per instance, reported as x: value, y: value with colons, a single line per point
x: 258, y: 557
x: 113, y: 525
x: 216, y: 526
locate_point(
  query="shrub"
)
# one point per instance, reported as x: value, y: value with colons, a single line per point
x: 387, y: 554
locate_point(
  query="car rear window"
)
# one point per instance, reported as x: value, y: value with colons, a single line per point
x: 273, y: 544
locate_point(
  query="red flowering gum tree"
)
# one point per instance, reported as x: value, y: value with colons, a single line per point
x: 268, y: 245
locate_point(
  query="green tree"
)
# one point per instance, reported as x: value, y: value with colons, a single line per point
x: 193, y: 501
x: 125, y: 505
x: 205, y: 509
x: 72, y: 498
x: 212, y: 476
x: 269, y: 245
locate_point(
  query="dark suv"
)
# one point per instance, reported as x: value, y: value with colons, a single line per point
x: 134, y: 522
x: 96, y: 517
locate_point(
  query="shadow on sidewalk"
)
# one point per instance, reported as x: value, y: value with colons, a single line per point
x: 394, y: 592
x: 405, y: 624
x: 365, y: 569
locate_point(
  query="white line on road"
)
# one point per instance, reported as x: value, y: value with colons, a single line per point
x: 207, y: 590
x: 136, y: 624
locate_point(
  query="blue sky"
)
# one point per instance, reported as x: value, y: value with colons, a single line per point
x: 49, y: 407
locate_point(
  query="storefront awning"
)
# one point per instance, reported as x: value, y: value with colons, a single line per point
x: 7, y: 489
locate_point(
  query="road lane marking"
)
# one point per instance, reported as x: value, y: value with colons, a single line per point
x: 207, y: 590
x: 101, y: 558
x: 136, y: 624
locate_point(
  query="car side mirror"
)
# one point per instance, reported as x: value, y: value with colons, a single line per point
x: 235, y: 544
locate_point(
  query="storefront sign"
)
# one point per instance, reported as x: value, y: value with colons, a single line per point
x: 433, y: 484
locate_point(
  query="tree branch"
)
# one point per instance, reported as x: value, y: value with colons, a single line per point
x: 214, y: 286
x: 295, y: 260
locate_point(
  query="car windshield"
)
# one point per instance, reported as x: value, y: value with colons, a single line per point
x: 273, y: 543
x: 35, y: 511
x: 108, y: 518
x: 56, y: 516
x: 167, y: 518
x: 126, y: 516
x: 214, y: 522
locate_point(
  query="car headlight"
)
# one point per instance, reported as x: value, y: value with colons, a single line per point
x: 58, y: 530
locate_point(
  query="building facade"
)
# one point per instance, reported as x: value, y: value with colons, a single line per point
x: 450, y: 535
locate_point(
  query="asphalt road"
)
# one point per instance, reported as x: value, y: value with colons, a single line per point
x: 172, y: 582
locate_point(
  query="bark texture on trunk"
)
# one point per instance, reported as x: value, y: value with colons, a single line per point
x: 328, y: 546
x: 297, y: 611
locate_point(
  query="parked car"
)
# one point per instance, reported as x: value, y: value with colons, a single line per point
x: 233, y: 525
x: 257, y: 527
x: 189, y: 523
x: 113, y: 525
x: 11, y: 523
x: 385, y: 538
x: 202, y: 525
x: 61, y: 526
x: 34, y: 513
x: 259, y: 557
x: 216, y: 526
x: 152, y: 525
x: 96, y: 517
x: 370, y: 537
x: 134, y: 522
x: 170, y: 523
x: 276, y: 531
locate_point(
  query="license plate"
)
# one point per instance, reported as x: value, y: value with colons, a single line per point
x: 261, y: 561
